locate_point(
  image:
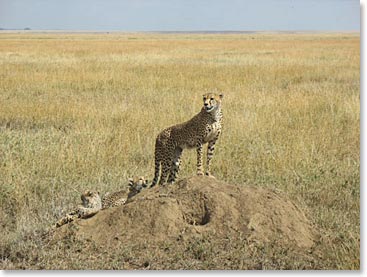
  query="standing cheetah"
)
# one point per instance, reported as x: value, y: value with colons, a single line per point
x: 205, y: 127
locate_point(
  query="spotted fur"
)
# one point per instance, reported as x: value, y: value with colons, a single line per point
x: 91, y: 204
x: 205, y: 127
x: 118, y: 198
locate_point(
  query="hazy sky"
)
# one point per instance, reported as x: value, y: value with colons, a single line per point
x: 181, y: 15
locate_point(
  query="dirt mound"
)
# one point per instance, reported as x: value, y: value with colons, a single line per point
x: 194, y: 207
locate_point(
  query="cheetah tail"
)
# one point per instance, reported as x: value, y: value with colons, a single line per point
x: 156, y: 172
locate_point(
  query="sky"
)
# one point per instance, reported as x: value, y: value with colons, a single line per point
x: 181, y: 15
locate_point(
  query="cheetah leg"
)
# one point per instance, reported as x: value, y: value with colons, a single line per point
x: 66, y: 219
x: 166, y: 166
x: 199, y: 150
x: 210, y: 154
x: 175, y: 168
x: 87, y: 212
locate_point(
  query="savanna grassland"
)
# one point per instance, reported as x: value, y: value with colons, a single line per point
x: 81, y: 111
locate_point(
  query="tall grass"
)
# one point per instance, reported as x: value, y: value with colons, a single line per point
x: 82, y: 111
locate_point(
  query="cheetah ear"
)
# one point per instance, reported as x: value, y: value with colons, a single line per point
x: 221, y: 96
x: 131, y: 181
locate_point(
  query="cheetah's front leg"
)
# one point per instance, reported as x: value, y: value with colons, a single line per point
x: 84, y: 212
x: 199, y: 165
x: 210, y: 154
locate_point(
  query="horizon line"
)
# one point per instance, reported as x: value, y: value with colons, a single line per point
x: 29, y: 30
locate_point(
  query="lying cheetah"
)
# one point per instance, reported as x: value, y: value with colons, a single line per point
x: 205, y: 127
x: 92, y: 202
x: 136, y: 185
x: 118, y: 198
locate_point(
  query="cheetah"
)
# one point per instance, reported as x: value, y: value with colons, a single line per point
x: 205, y: 127
x: 136, y: 185
x: 92, y: 202
x: 118, y: 198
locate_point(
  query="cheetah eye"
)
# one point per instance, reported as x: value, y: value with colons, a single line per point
x: 211, y: 99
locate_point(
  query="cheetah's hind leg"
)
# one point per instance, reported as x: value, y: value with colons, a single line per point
x: 175, y: 167
x: 166, y: 167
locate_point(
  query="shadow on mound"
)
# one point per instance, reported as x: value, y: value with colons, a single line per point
x: 194, y: 208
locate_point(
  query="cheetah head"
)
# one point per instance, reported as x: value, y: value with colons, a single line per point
x: 136, y: 184
x: 90, y: 198
x: 212, y: 101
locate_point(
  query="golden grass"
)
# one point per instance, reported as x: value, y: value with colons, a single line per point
x: 82, y: 111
